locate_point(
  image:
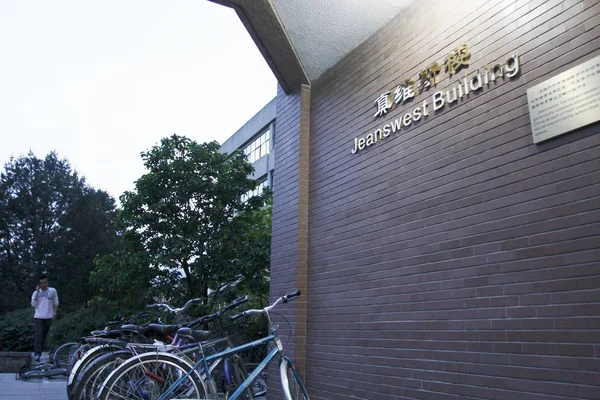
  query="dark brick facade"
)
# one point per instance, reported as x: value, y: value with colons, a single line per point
x: 456, y: 259
x: 290, y: 223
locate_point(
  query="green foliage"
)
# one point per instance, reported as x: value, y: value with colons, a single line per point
x: 16, y: 330
x: 185, y: 212
x: 124, y: 280
x: 245, y: 248
x: 183, y: 232
x: 17, y: 327
x: 91, y: 233
x: 50, y: 222
x: 71, y: 325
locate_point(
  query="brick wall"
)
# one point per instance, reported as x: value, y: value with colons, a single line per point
x: 457, y: 259
x: 289, y: 245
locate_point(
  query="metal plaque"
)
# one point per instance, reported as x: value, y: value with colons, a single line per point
x: 565, y: 102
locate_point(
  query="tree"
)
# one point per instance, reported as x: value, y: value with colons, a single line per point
x: 90, y: 232
x: 50, y: 222
x: 126, y: 280
x: 246, y: 247
x: 187, y: 206
x: 123, y: 280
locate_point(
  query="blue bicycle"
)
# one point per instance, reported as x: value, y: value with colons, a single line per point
x: 160, y: 375
x: 228, y: 370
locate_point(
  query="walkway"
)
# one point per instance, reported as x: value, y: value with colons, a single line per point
x: 34, y: 389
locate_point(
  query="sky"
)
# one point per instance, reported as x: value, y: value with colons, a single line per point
x: 99, y: 82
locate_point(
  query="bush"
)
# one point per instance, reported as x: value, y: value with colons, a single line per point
x: 71, y: 325
x: 16, y: 330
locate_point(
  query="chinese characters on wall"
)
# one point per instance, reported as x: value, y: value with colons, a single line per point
x: 428, y: 78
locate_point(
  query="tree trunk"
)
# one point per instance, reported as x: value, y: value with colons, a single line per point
x: 188, y: 278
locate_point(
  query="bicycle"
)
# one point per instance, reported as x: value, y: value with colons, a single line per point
x: 57, y: 365
x: 85, y: 387
x: 161, y: 375
x: 64, y: 353
x: 111, y: 339
x: 105, y: 341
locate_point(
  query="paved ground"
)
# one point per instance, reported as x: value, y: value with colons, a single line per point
x: 34, y: 389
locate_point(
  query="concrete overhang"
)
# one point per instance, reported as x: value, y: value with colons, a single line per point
x: 301, y: 39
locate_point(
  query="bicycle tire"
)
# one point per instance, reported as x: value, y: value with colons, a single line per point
x: 293, y: 387
x: 61, y: 357
x: 40, y: 372
x: 147, y: 376
x: 88, y: 383
x: 87, y: 358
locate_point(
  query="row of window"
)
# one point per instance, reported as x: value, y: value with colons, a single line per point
x: 259, y: 146
x: 259, y: 189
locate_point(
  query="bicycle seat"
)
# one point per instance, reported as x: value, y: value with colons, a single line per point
x: 131, y: 328
x: 114, y: 333
x: 197, y: 335
x: 165, y: 330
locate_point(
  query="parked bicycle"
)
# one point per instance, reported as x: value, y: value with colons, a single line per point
x: 115, y: 336
x: 57, y: 364
x: 87, y: 382
x: 160, y: 375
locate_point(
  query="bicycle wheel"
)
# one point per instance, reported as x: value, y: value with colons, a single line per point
x: 236, y: 374
x: 62, y: 355
x: 293, y: 388
x: 88, y: 383
x: 43, y: 371
x: 86, y: 359
x: 148, y: 376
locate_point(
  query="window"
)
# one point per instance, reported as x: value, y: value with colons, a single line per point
x: 259, y: 189
x: 259, y: 147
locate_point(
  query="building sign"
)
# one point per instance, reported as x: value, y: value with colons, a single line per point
x: 428, y: 78
x: 565, y: 102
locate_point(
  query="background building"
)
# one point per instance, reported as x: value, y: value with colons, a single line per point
x: 256, y: 139
x: 454, y: 258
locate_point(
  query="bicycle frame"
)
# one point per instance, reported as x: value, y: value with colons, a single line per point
x: 254, y: 374
x: 202, y: 370
x: 203, y: 363
x: 117, y: 344
x: 42, y: 370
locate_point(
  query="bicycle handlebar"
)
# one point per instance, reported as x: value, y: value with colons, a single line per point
x: 174, y: 310
x: 285, y: 298
x: 236, y: 303
x: 291, y: 295
x: 124, y: 320
x: 211, y: 317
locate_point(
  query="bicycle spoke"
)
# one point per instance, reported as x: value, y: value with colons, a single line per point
x: 150, y: 378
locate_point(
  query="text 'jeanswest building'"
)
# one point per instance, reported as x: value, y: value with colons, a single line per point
x: 436, y: 194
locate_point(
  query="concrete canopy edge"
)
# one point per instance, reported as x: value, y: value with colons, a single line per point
x: 264, y: 26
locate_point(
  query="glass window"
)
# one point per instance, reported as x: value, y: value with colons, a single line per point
x: 259, y: 189
x: 259, y: 147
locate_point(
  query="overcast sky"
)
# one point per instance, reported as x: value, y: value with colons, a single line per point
x: 101, y: 81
